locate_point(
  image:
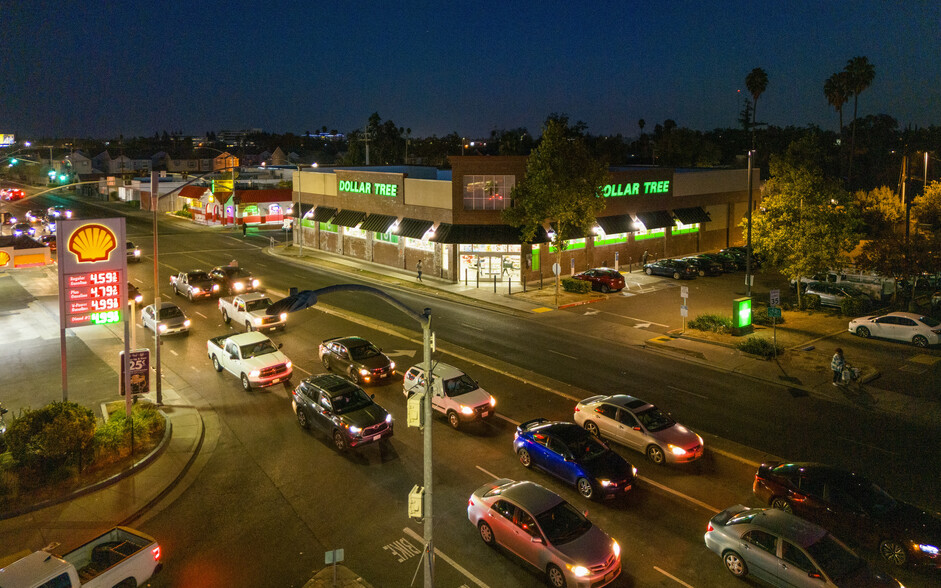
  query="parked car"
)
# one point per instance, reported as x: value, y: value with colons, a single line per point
x: 233, y: 279
x: 704, y: 266
x: 59, y: 212
x: 605, y: 279
x: 853, y: 508
x: 674, y: 268
x: 341, y: 409
x: 787, y: 551
x: 575, y: 456
x: 640, y: 426
x: 172, y: 320
x: 835, y: 294
x: 356, y: 357
x: 453, y: 393
x: 12, y: 194
x: 936, y: 300
x: 24, y: 229
x: 920, y: 330
x: 740, y: 254
x: 729, y: 263
x: 546, y: 532
x: 133, y: 252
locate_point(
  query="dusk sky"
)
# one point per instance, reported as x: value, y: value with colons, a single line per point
x: 100, y: 69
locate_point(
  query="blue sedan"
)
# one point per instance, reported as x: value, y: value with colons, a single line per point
x: 575, y: 456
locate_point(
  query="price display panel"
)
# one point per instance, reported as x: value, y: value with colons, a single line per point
x: 92, y: 272
x: 94, y: 298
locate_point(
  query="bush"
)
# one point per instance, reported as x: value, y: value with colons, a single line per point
x: 184, y: 213
x: 855, y: 306
x: 115, y: 434
x: 711, y: 322
x: 758, y: 346
x: 759, y: 315
x: 49, y: 438
x: 573, y: 285
x: 810, y: 302
x: 135, y: 204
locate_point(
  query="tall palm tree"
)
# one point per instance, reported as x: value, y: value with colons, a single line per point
x: 837, y: 91
x: 757, y: 82
x: 859, y: 75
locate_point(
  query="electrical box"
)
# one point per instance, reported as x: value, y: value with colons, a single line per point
x: 416, y: 411
x: 416, y: 502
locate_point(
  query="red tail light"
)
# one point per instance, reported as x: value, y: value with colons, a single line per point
x: 470, y: 501
x: 576, y: 408
x: 709, y: 527
x: 156, y: 552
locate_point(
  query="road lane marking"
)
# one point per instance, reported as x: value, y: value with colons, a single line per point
x: 672, y: 577
x: 302, y: 370
x: 202, y: 315
x: 699, y: 503
x: 173, y: 352
x: 563, y: 354
x: 687, y: 392
x: 500, y: 415
x: 737, y: 458
x: 491, y: 474
x: 453, y: 563
x: 868, y: 445
x: 475, y: 327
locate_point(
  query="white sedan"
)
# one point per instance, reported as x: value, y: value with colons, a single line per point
x: 920, y: 330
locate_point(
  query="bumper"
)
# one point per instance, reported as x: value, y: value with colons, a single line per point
x: 615, y: 490
x: 596, y: 580
x: 360, y: 441
x: 271, y: 380
x: 685, y: 458
x: 377, y: 378
x: 480, y: 414
x: 174, y: 330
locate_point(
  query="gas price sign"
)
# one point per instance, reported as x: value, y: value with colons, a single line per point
x: 92, y: 272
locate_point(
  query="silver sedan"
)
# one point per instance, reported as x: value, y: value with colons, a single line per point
x: 172, y: 320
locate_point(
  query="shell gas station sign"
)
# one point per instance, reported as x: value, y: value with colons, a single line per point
x: 92, y: 272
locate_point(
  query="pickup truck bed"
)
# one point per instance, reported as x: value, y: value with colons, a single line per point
x: 104, y: 552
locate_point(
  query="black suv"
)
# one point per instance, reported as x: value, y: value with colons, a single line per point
x: 341, y: 409
x: 233, y: 279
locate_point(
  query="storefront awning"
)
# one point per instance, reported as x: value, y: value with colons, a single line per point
x: 377, y: 223
x: 612, y: 225
x: 483, y: 235
x: 302, y: 209
x: 323, y: 214
x: 349, y: 218
x: 570, y: 232
x: 657, y: 219
x: 690, y: 216
x: 413, y: 228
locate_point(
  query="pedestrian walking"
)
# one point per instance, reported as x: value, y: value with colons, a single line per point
x: 418, y: 269
x: 837, y: 364
x: 244, y: 229
x: 643, y: 258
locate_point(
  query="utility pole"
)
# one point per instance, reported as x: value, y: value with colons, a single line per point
x: 366, y: 140
x: 748, y: 276
x: 154, y: 195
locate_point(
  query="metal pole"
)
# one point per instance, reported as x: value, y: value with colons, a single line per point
x: 748, y: 278
x: 299, y: 229
x: 154, y: 195
x: 126, y: 365
x: 428, y: 455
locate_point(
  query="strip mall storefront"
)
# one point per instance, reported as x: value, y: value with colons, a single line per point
x: 397, y: 216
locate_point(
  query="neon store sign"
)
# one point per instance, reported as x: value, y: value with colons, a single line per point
x: 376, y: 188
x: 635, y: 188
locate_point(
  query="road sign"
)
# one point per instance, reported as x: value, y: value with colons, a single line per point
x: 774, y: 312
x: 139, y: 365
x: 333, y: 556
x: 556, y: 269
x: 684, y: 291
x: 775, y: 297
x: 684, y: 310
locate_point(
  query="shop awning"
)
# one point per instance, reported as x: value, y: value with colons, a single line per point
x: 483, y: 235
x: 657, y: 219
x: 378, y: 223
x: 570, y: 232
x: 413, y: 228
x: 302, y: 209
x: 690, y: 216
x: 612, y: 225
x: 323, y: 214
x: 349, y: 218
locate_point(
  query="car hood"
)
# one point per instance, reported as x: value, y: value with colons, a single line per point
x: 473, y: 398
x: 266, y: 360
x: 365, y: 417
x: 866, y: 577
x: 609, y: 465
x: 592, y: 548
x: 377, y: 361
x: 176, y: 321
x: 917, y: 524
x: 677, y: 435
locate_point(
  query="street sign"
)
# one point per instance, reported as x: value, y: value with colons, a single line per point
x: 774, y: 312
x: 333, y: 556
x: 139, y: 365
x: 556, y: 269
x: 775, y: 298
x: 684, y: 291
x: 684, y: 310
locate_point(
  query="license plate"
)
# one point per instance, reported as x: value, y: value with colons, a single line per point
x: 485, y: 413
x: 628, y: 487
x: 373, y: 437
x: 610, y: 576
x: 276, y: 380
x: 383, y: 375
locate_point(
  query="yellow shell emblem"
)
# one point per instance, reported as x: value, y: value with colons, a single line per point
x: 4, y: 258
x: 92, y: 243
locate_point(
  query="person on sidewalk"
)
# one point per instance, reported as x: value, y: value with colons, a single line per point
x: 643, y: 258
x: 418, y: 269
x: 837, y: 364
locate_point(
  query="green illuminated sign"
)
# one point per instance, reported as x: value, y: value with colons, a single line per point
x: 354, y: 187
x: 104, y: 318
x: 635, y: 188
x: 741, y: 316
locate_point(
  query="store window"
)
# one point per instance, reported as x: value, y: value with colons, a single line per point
x: 651, y: 234
x: 610, y: 239
x: 419, y: 244
x: 488, y: 192
x: 330, y: 228
x: 570, y: 244
x: 681, y: 229
x: 386, y: 238
x: 354, y: 232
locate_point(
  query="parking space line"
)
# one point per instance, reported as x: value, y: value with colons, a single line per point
x: 300, y: 369
x: 494, y: 476
x: 450, y: 561
x: 687, y: 392
x: 202, y: 315
x: 672, y: 577
x: 868, y: 445
x: 679, y: 494
x: 562, y: 354
x: 507, y: 419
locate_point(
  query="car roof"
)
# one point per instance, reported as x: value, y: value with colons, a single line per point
x: 442, y: 370
x: 629, y: 402
x: 351, y: 341
x: 912, y: 315
x: 791, y: 527
x: 565, y: 431
x: 332, y: 384
x: 827, y: 471
x: 531, y: 496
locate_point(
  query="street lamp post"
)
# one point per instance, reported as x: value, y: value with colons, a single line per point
x: 748, y: 259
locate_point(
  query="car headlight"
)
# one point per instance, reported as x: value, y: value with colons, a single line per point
x: 196, y: 290
x: 388, y: 418
x: 929, y: 549
x: 363, y: 372
x: 255, y: 283
x: 466, y: 410
x: 604, y: 483
x: 186, y: 323
x: 634, y: 470
x: 676, y: 450
x: 238, y: 286
x: 254, y: 373
x: 139, y: 298
x: 355, y: 430
x: 257, y: 320
x: 493, y: 401
x: 215, y: 287
x: 288, y: 364
x: 137, y: 253
x: 162, y: 328
x: 615, y: 548
x: 391, y: 365
x: 283, y: 316
x: 579, y: 571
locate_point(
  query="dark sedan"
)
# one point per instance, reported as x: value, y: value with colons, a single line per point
x: 356, y: 357
x: 234, y: 280
x: 741, y: 254
x: 704, y: 266
x: 674, y: 268
x: 605, y: 279
x: 575, y: 456
x: 852, y: 508
x: 728, y: 263
x: 341, y: 409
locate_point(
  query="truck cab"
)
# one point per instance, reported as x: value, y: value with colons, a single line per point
x: 454, y: 394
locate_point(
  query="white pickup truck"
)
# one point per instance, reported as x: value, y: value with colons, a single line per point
x: 453, y: 393
x: 120, y: 557
x: 252, y: 357
x: 249, y: 310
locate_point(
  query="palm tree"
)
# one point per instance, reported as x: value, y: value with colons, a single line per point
x: 837, y: 91
x: 859, y: 76
x: 641, y: 123
x: 756, y: 82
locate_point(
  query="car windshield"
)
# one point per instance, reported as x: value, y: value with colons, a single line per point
x: 198, y: 276
x: 354, y: 399
x: 168, y: 312
x: 563, y: 523
x: 833, y: 558
x: 459, y: 385
x: 364, y: 351
x: 256, y: 349
x: 586, y: 447
x: 131, y: 245
x: 931, y: 322
x: 260, y: 304
x: 872, y: 498
x: 654, y: 420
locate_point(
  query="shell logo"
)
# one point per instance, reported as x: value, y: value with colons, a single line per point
x: 92, y: 243
x: 4, y: 258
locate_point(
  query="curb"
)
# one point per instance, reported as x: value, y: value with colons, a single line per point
x: 580, y: 303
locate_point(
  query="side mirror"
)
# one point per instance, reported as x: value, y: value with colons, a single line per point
x: 373, y: 396
x: 280, y: 345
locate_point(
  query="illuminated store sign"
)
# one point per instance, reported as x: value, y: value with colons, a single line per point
x: 635, y: 188
x: 92, y: 272
x: 377, y: 188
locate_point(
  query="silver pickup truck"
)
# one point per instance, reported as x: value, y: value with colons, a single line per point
x: 249, y: 310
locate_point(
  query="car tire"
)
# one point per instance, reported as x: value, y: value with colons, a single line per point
x: 893, y: 552
x: 735, y: 564
x: 525, y: 458
x: 454, y: 420
x: 584, y: 487
x: 605, y: 289
x: 920, y: 341
x: 302, y: 418
x: 862, y: 332
x: 353, y: 375
x: 215, y: 364
x: 648, y: 271
x: 189, y: 296
x: 554, y: 576
x: 702, y: 273
x: 486, y: 533
x: 676, y: 275
x: 246, y: 385
x: 782, y: 503
x: 592, y: 428
x: 248, y: 327
x: 656, y: 455
x: 225, y: 317
x: 339, y: 441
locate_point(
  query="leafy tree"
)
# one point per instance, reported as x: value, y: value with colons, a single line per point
x: 926, y: 208
x: 562, y: 185
x: 757, y: 82
x: 880, y: 209
x: 859, y: 76
x: 804, y: 224
x: 894, y: 256
x: 49, y: 437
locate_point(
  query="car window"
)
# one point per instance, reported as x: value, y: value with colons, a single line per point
x: 167, y: 312
x: 557, y: 446
x: 834, y: 558
x: 586, y: 447
x: 459, y: 385
x: 364, y: 351
x: 258, y: 349
x: 930, y: 321
x: 563, y: 523
x: 907, y: 322
x: 325, y: 401
x: 351, y: 400
x: 886, y: 320
x: 260, y: 304
x: 607, y: 410
x: 626, y: 418
x: 809, y: 485
x: 762, y: 539
x: 525, y: 522
x: 540, y: 439
x: 654, y: 420
x: 504, y: 508
x: 840, y: 497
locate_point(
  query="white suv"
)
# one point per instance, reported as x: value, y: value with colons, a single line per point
x: 453, y: 393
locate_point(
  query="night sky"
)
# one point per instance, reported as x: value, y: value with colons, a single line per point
x: 100, y: 69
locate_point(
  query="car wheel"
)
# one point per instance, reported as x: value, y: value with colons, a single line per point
x: 605, y: 289
x: 486, y: 533
x: 525, y: 458
x: 326, y: 362
x: 862, y: 332
x: 648, y: 271
x: 215, y: 364
x: 735, y: 564
x: 592, y: 428
x: 225, y: 317
x: 893, y: 552
x: 454, y: 420
x: 920, y: 341
x: 248, y: 327
x: 246, y: 385
x: 339, y: 441
x: 782, y: 504
x: 189, y: 295
x: 555, y: 576
x: 676, y: 275
x: 302, y: 418
x: 354, y: 375
x: 655, y: 454
x: 584, y: 487
x: 702, y: 273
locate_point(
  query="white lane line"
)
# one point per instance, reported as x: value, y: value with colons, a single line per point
x: 475, y: 327
x: 562, y: 354
x: 699, y: 503
x: 453, y: 563
x: 507, y: 419
x: 868, y: 445
x: 177, y: 354
x: 687, y: 392
x: 737, y: 458
x: 205, y: 317
x: 672, y: 577
x: 491, y: 474
x: 307, y: 372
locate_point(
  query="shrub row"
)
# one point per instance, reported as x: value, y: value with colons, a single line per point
x: 573, y: 285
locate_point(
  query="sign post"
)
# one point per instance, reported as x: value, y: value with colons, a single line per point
x: 774, y: 311
x: 684, y: 309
